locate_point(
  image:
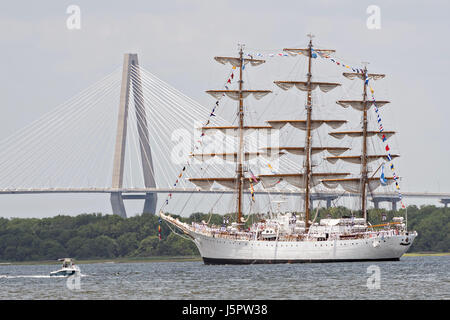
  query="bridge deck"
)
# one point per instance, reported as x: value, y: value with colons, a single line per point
x: 218, y: 191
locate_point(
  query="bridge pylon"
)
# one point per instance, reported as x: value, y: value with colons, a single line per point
x: 131, y: 78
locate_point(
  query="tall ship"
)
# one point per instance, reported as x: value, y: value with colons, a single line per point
x: 296, y: 237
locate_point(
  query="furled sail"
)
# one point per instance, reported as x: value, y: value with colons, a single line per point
x: 314, y: 150
x: 305, y: 51
x: 355, y: 134
x: 353, y: 185
x: 235, y: 94
x: 303, y: 86
x: 233, y: 157
x: 236, y: 62
x: 234, y: 131
x: 230, y: 183
x: 352, y: 75
x: 359, y: 104
x: 302, y: 124
x: 358, y: 159
x: 297, y: 179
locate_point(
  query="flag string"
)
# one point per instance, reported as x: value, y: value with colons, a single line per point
x: 198, y: 142
x: 327, y: 56
x: 386, y: 145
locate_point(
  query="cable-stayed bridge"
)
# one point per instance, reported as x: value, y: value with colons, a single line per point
x: 135, y: 151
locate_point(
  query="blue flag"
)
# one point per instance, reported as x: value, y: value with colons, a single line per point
x: 382, y: 178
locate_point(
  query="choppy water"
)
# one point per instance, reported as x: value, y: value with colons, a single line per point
x: 409, y: 278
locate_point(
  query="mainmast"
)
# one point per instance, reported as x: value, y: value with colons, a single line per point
x: 240, y: 173
x: 307, y: 179
x: 308, y: 134
x: 364, y: 149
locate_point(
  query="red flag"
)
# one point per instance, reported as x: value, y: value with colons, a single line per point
x: 232, y: 75
x: 387, y: 148
x: 229, y: 81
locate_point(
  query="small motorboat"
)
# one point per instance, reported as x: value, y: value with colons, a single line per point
x: 68, y: 268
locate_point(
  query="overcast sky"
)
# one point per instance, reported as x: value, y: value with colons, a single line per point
x: 43, y: 64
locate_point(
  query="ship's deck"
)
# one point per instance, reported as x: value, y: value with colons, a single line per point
x: 208, y: 231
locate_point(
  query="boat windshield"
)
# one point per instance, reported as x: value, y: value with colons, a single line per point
x: 67, y: 263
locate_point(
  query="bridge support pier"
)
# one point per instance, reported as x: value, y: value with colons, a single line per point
x: 118, y: 207
x: 150, y: 203
x: 392, y: 199
x: 445, y: 201
x: 376, y: 203
x: 394, y: 205
x: 327, y: 198
x: 131, y: 78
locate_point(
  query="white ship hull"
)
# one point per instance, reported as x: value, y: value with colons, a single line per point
x: 229, y: 251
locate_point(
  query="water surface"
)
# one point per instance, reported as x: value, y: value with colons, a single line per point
x: 426, y: 277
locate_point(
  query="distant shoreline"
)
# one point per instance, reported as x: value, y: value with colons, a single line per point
x: 171, y: 259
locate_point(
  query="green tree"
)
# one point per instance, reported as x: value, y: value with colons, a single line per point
x: 127, y: 244
x: 52, y: 249
x: 148, y: 247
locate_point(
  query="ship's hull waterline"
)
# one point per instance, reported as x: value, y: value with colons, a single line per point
x: 229, y: 251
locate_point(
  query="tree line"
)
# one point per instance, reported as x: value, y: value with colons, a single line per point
x: 97, y: 236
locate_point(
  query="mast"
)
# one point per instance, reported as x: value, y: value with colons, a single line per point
x: 307, y: 179
x: 240, y: 175
x: 238, y: 182
x: 364, y: 150
x: 363, y: 105
x: 308, y: 135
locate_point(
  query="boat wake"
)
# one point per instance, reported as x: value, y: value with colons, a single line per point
x: 4, y: 276
x: 25, y: 276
